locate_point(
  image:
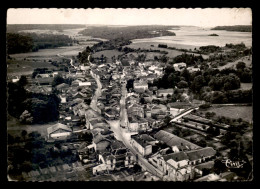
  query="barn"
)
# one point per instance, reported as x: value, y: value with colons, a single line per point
x: 59, y: 132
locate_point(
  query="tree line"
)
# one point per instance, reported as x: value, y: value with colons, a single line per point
x: 27, y: 42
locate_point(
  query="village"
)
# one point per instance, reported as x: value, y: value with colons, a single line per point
x: 124, y: 131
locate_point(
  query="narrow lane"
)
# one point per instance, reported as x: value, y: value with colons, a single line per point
x: 97, y: 94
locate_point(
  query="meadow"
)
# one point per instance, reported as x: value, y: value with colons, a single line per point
x: 244, y: 112
x: 107, y: 53
x: 171, y: 53
x: 25, y: 67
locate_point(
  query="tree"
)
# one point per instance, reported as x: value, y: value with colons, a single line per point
x: 219, y: 167
x: 17, y: 43
x: 198, y: 83
x: 10, y: 139
x: 34, y: 135
x: 218, y: 97
x: 182, y: 84
x: 57, y: 80
x: 26, y: 118
x: 24, y: 133
x: 186, y: 74
x: 240, y: 65
x: 22, y: 81
x: 167, y: 120
x: 217, y: 131
x: 142, y: 101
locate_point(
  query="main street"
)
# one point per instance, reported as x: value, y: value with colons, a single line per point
x: 124, y: 135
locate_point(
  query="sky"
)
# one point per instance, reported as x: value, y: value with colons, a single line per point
x: 208, y: 17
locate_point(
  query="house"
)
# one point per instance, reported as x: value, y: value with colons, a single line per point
x: 158, y: 111
x: 199, y: 168
x: 141, y: 144
x: 133, y: 99
x: 175, y: 166
x: 100, y: 143
x: 63, y: 87
x: 75, y: 121
x: 74, y: 102
x: 15, y: 79
x: 58, y: 132
x: 133, y: 125
x: 111, y: 114
x: 179, y: 66
x: 140, y: 85
x: 86, y: 83
x: 152, y: 123
x: 192, y: 69
x: 125, y: 63
x: 45, y: 80
x: 90, y: 113
x: 136, y: 110
x: 80, y: 110
x: 84, y: 67
x: 63, y: 98
x: 115, y: 160
x: 142, y: 124
x: 200, y: 155
x: 158, y: 71
x: 164, y: 92
x: 96, y: 122
x: 80, y: 95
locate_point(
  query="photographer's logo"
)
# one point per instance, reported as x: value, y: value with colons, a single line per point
x: 233, y: 164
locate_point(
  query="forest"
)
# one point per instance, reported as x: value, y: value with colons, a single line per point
x: 26, y: 42
x: 238, y: 28
x: 13, y: 28
x: 128, y: 32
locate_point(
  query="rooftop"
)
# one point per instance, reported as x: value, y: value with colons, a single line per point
x: 140, y: 140
x: 58, y: 126
x: 165, y: 90
x: 173, y: 140
x: 199, y: 153
x: 179, y: 156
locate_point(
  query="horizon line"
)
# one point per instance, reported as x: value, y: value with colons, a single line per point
x: 128, y: 25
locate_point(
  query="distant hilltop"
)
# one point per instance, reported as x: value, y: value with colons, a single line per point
x: 238, y: 28
x: 128, y: 32
x: 14, y: 28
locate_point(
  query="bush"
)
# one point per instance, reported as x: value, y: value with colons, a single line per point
x: 204, y: 106
x: 182, y: 84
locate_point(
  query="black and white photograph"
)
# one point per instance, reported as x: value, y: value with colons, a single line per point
x: 129, y: 94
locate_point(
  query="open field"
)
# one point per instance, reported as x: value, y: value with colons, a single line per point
x: 244, y: 112
x: 171, y: 53
x: 25, y: 67
x: 66, y: 51
x: 233, y: 64
x: 149, y: 55
x: 147, y: 45
x: 107, y: 53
